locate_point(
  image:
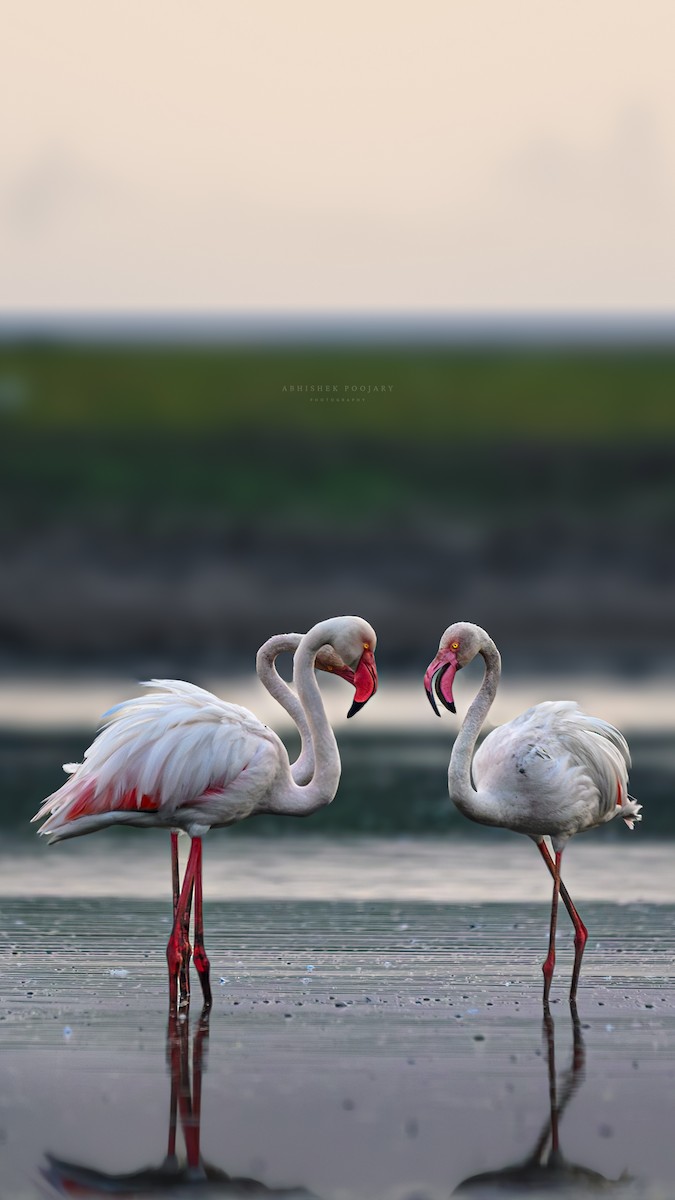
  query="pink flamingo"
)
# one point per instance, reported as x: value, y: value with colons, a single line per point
x: 551, y: 772
x: 182, y: 759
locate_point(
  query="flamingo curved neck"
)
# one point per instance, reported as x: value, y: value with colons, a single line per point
x: 462, y: 791
x: 302, y: 769
x: 302, y: 799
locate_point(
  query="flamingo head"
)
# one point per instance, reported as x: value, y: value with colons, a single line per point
x: 350, y: 653
x: 460, y: 644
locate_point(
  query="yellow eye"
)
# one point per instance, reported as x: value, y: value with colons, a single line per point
x: 455, y: 646
x: 366, y: 645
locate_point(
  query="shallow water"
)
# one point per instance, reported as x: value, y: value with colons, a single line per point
x: 377, y: 1026
x: 133, y: 864
x: 390, y: 784
x: 354, y: 1050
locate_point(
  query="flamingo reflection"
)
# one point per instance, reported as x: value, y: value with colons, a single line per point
x: 546, y: 1169
x: 182, y: 1176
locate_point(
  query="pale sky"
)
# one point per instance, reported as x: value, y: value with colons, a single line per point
x: 295, y: 155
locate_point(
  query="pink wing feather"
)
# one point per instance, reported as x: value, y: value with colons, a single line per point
x: 159, y: 754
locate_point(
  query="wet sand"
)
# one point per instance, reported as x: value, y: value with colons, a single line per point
x: 355, y: 1049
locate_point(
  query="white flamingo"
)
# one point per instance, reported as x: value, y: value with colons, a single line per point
x: 182, y: 759
x: 551, y: 772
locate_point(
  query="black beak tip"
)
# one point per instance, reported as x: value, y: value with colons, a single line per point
x: 430, y: 698
x: 437, y: 680
x: 356, y: 707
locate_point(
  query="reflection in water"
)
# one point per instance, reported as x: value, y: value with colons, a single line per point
x: 172, y: 1177
x: 545, y: 1169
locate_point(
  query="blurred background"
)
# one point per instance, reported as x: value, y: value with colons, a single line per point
x: 307, y: 311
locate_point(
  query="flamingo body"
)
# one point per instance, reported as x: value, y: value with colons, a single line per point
x: 551, y: 772
x: 179, y: 758
x: 555, y: 771
x: 182, y: 759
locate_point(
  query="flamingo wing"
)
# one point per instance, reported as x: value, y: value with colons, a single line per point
x: 558, y: 766
x: 174, y: 756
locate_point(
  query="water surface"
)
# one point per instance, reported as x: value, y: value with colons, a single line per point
x: 377, y: 1029
x: 366, y: 1050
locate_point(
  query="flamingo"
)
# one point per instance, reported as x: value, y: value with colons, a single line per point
x: 182, y: 759
x: 551, y: 772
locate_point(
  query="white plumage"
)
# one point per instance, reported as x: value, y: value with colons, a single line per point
x: 556, y: 771
x: 182, y: 759
x: 551, y: 772
x: 175, y: 758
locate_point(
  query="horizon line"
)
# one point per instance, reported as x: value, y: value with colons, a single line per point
x: 340, y: 328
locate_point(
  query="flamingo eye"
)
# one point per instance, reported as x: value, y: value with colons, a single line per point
x: 455, y: 646
x: 366, y: 645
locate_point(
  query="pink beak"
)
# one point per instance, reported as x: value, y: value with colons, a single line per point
x: 440, y: 674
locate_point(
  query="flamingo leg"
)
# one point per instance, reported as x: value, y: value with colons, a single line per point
x: 175, y: 875
x: 184, y: 980
x: 185, y: 949
x: 177, y: 951
x: 201, y: 961
x: 549, y: 963
x: 580, y: 930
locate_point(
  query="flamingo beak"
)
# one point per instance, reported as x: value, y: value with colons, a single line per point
x: 365, y: 681
x: 439, y: 676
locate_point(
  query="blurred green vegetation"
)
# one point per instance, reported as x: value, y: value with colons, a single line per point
x: 150, y: 433
x: 428, y: 393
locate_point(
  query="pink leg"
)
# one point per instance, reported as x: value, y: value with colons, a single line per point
x: 175, y: 876
x: 175, y: 951
x: 580, y: 930
x: 549, y: 964
x: 186, y: 949
x: 201, y: 961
